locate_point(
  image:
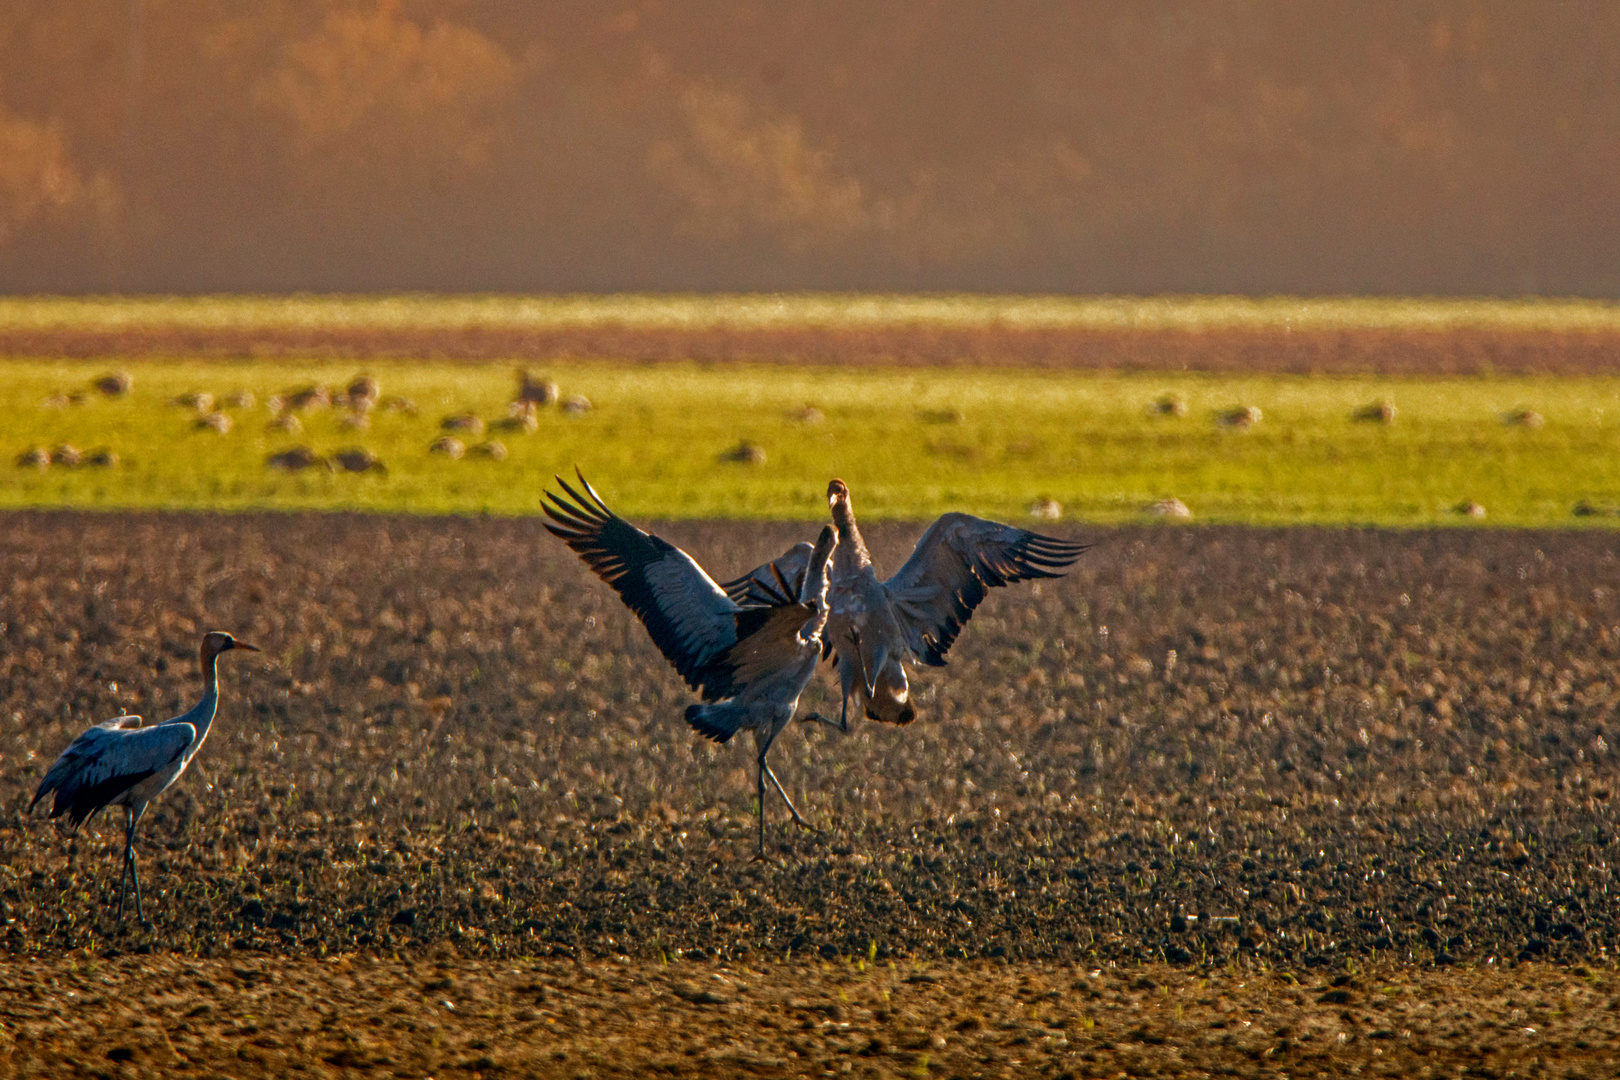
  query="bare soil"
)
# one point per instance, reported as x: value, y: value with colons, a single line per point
x: 253, y: 1016
x: 1387, y: 352
x: 1237, y: 755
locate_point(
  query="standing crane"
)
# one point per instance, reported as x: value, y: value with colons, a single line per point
x: 749, y: 664
x: 121, y: 763
x: 917, y: 614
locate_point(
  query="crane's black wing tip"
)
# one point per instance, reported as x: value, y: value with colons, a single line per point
x: 1046, y: 556
x: 619, y: 554
x: 1055, y: 545
x: 578, y: 510
x: 591, y: 502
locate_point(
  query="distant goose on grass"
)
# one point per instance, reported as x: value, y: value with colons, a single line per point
x: 916, y: 614
x: 120, y: 763
x: 751, y: 663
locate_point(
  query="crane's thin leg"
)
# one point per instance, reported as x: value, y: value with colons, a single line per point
x: 794, y: 810
x: 866, y: 677
x: 765, y: 771
x: 847, y: 666
x: 759, y: 777
x: 129, y: 864
x: 817, y: 718
x: 123, y: 867
x: 123, y: 882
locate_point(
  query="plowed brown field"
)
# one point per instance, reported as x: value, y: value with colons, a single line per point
x: 1266, y: 759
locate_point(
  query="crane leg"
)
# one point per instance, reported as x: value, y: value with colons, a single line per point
x: 794, y: 810
x: 759, y: 777
x: 130, y: 872
x: 123, y: 882
x: 817, y: 718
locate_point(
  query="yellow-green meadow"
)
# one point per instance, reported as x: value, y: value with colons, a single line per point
x: 662, y: 441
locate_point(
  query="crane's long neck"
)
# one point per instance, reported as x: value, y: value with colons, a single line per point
x: 851, y: 555
x: 814, y: 590
x: 816, y: 582
x: 201, y: 715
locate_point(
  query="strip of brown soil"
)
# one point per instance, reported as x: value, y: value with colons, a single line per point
x: 418, y: 1017
x: 1390, y: 352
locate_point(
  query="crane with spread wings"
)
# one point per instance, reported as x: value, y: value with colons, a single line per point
x: 916, y: 615
x: 748, y: 662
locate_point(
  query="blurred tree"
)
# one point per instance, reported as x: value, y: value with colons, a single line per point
x: 1207, y: 145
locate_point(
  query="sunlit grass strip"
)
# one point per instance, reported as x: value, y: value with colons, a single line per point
x: 804, y: 310
x: 912, y: 443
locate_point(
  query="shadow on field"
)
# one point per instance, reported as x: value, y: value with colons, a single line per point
x: 1203, y: 744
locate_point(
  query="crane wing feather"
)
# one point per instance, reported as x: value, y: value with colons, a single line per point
x: 768, y: 639
x: 687, y: 615
x: 107, y: 761
x: 778, y: 581
x: 955, y: 564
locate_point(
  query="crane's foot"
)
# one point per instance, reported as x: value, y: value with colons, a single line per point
x: 766, y: 773
x: 817, y: 718
x: 800, y: 822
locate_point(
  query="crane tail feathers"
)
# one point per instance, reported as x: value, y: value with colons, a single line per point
x: 81, y: 803
x: 716, y: 722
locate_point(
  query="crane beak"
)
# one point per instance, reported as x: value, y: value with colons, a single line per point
x: 245, y: 645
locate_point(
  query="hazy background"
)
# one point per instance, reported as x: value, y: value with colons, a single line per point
x: 1211, y: 146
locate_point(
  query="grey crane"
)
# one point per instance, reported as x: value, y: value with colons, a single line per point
x: 749, y: 663
x: 917, y: 614
x: 121, y: 763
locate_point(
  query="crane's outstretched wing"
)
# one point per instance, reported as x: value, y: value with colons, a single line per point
x: 957, y: 561
x: 771, y: 637
x: 107, y: 761
x: 774, y: 582
x: 686, y: 614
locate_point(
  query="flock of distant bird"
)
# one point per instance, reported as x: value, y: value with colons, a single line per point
x: 747, y: 647
x: 357, y: 402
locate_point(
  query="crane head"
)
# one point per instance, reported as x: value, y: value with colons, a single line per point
x: 837, y: 492
x: 218, y: 641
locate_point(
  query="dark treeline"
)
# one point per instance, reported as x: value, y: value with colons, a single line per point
x: 1427, y: 146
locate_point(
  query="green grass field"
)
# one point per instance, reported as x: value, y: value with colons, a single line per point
x: 911, y: 443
